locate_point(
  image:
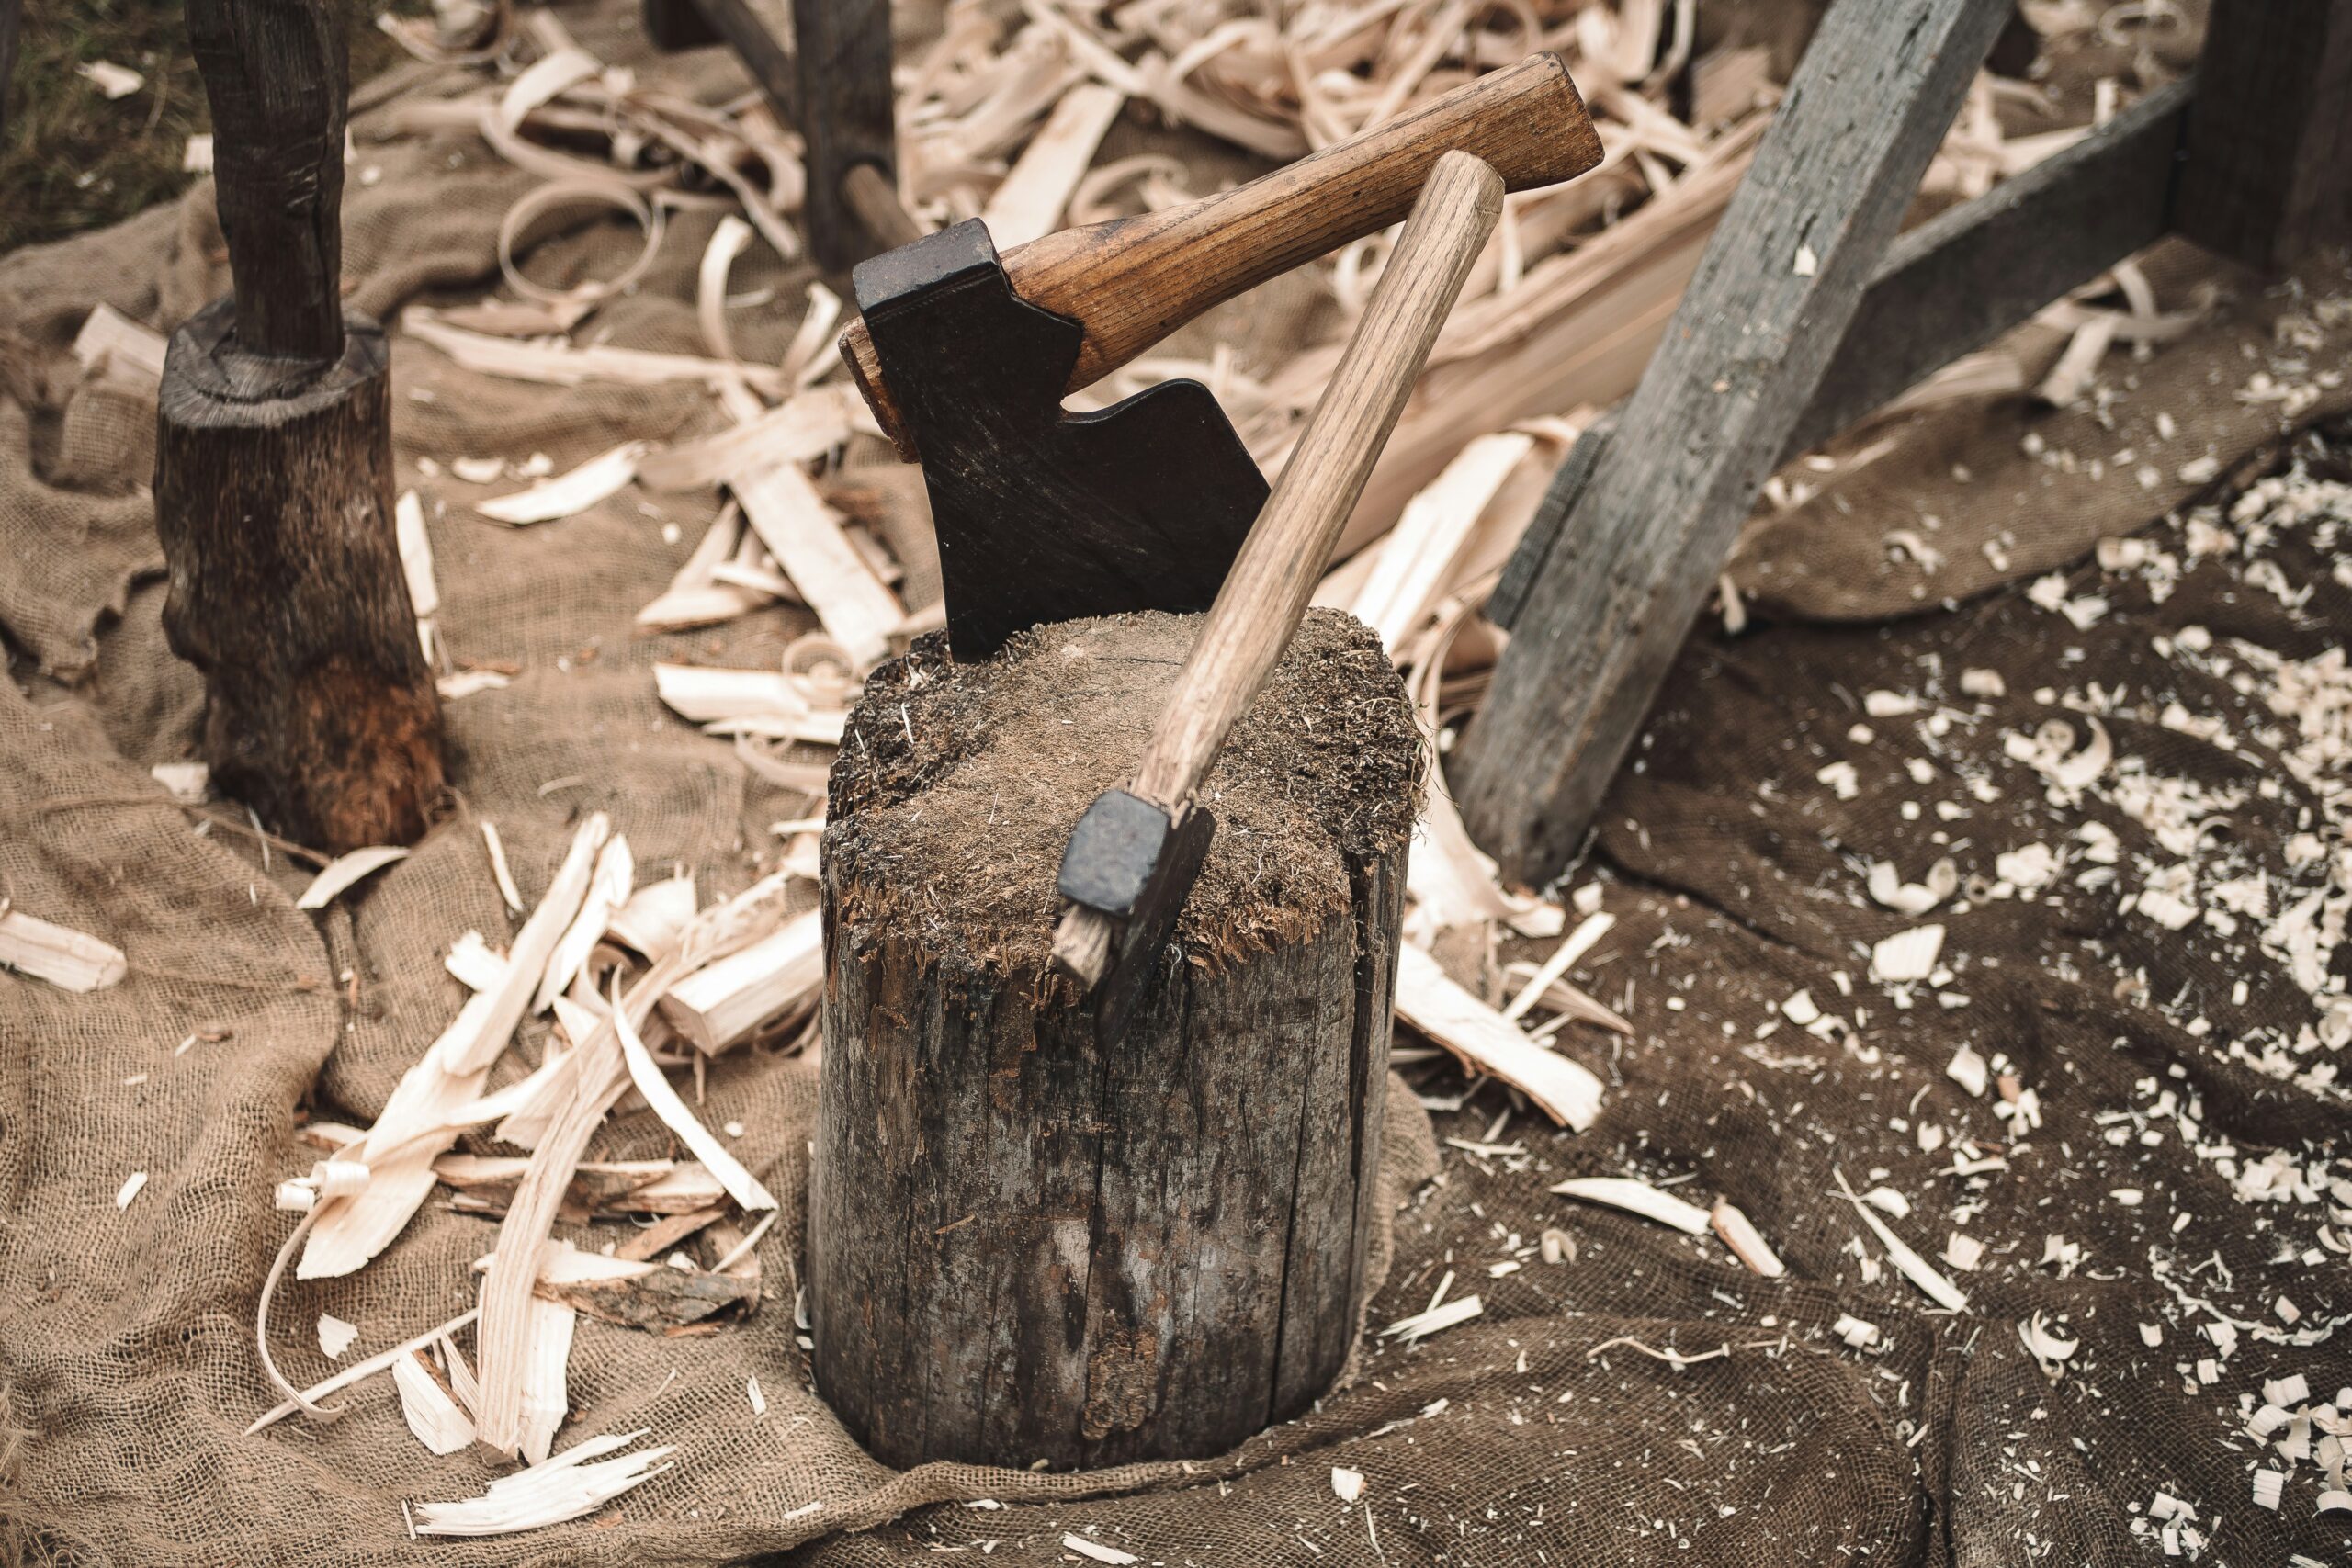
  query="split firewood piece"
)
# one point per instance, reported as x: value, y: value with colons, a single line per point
x: 350, y: 1231
x: 1030, y: 202
x: 608, y: 888
x: 578, y: 1481
x: 66, y: 958
x: 804, y: 536
x: 1486, y: 1042
x: 430, y: 1407
x: 545, y: 1398
x: 721, y: 1005
x: 740, y: 1184
x: 345, y: 871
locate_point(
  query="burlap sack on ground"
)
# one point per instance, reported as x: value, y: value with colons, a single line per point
x: 1538, y: 1431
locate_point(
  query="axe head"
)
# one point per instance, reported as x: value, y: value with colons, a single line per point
x: 1132, y: 861
x: 1041, y: 515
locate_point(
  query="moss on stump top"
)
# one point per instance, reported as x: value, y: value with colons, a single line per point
x: 959, y: 784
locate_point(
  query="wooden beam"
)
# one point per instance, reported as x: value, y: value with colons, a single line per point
x: 1642, y: 546
x: 1949, y: 286
x: 2270, y: 170
x: 842, y: 53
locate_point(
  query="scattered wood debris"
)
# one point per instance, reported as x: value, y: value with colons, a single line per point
x: 578, y: 1481
x: 344, y: 872
x: 68, y: 959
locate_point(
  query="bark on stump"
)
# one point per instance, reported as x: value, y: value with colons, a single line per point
x: 1025, y: 1248
x: 273, y: 497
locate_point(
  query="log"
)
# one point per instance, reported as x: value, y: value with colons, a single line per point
x: 1022, y: 1247
x: 273, y: 466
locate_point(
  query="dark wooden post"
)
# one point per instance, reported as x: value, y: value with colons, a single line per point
x: 2270, y: 170
x: 274, y: 469
x: 1024, y: 1246
x: 1646, y: 537
x: 9, y: 10
x: 835, y: 87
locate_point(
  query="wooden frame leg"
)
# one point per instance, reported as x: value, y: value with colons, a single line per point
x: 1645, y: 539
x: 10, y: 11
x: 2269, y: 169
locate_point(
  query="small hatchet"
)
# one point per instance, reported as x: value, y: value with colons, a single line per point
x: 1134, y: 855
x: 1042, y: 515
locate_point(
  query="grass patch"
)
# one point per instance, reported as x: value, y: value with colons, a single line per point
x: 70, y: 158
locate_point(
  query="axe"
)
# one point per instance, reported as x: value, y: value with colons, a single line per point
x: 1135, y: 853
x: 964, y: 356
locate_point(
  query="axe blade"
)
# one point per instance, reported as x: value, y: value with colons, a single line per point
x: 1044, y: 515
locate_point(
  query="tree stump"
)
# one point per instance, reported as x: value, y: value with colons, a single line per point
x: 1022, y: 1247
x: 274, y: 465
x: 274, y: 502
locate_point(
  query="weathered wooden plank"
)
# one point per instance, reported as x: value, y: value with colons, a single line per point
x: 1948, y: 287
x: 842, y: 54
x: 2269, y: 169
x: 1644, y: 541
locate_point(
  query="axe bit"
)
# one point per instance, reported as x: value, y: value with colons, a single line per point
x: 1135, y: 853
x: 965, y: 356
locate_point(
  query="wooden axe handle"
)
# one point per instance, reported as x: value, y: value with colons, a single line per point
x: 1132, y: 281
x: 1266, y: 595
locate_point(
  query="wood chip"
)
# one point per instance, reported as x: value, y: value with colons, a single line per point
x: 130, y: 1188
x: 567, y: 495
x: 430, y: 1408
x: 335, y: 1335
x: 739, y: 1183
x: 110, y: 340
x: 1096, y: 1551
x: 1030, y: 202
x: 576, y: 1482
x: 1909, y: 1264
x: 1747, y: 1243
x: 1486, y: 1042
x: 344, y: 871
x: 1637, y: 1198
x: 66, y: 958
x: 111, y: 80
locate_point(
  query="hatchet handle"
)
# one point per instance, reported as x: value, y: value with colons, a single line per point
x: 1131, y: 281
x: 1266, y: 593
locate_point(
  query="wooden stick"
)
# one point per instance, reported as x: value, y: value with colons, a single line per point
x: 1132, y: 281
x: 1273, y: 577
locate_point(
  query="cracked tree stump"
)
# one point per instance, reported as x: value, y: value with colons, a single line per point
x: 1024, y: 1247
x: 274, y: 466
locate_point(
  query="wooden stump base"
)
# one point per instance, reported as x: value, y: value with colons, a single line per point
x: 1022, y: 1247
x: 274, y: 499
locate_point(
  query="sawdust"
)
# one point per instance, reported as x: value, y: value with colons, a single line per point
x: 976, y: 773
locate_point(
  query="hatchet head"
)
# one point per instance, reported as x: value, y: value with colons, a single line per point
x: 1042, y: 515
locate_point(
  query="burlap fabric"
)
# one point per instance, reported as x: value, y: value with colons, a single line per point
x: 1523, y: 1436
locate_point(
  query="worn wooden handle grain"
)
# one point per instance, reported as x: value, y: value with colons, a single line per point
x: 1132, y: 281
x: 1266, y: 593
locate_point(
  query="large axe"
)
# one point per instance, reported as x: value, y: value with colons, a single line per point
x: 1044, y: 515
